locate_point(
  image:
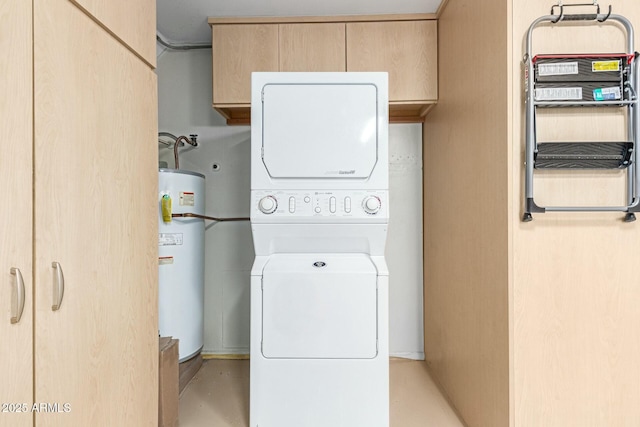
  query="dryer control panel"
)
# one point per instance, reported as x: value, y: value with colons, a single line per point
x: 323, y: 205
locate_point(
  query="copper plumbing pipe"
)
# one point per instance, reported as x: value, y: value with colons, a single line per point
x: 211, y: 218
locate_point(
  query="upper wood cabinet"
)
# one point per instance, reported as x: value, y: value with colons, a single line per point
x: 312, y: 47
x: 403, y: 45
x: 238, y: 50
x: 133, y: 22
x: 397, y: 47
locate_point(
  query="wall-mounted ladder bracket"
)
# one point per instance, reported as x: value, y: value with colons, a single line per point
x: 582, y: 81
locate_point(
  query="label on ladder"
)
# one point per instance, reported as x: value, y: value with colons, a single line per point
x: 607, y: 94
x: 557, y: 69
x: 558, y: 94
x: 600, y: 66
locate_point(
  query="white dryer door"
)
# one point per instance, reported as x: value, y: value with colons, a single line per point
x: 319, y: 131
x: 319, y: 306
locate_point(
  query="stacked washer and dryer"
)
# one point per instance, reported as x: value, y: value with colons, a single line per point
x: 319, y: 217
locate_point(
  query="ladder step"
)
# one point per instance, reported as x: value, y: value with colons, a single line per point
x: 581, y: 68
x: 582, y: 80
x: 573, y: 93
x: 583, y: 155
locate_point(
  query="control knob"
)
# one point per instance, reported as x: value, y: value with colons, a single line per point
x: 268, y: 205
x: 371, y: 205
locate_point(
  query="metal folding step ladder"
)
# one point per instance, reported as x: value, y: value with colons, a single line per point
x: 583, y: 81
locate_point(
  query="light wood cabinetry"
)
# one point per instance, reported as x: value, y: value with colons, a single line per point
x: 238, y: 50
x: 312, y: 47
x: 401, y: 49
x: 16, y: 112
x: 132, y: 22
x: 82, y: 192
x: 403, y: 45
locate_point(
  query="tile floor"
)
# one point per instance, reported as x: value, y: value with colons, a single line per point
x: 218, y: 396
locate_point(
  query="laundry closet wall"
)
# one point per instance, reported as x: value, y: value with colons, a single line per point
x: 526, y: 324
x: 184, y: 95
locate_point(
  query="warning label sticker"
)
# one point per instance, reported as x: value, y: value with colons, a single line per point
x: 170, y: 239
x: 600, y: 66
x: 187, y: 198
x: 607, y: 94
x: 559, y: 94
x: 165, y: 260
x: 558, y: 69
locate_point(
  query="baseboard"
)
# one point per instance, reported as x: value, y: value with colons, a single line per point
x: 244, y: 356
x: 225, y: 356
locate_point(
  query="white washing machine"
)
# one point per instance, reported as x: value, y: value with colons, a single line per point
x: 319, y: 283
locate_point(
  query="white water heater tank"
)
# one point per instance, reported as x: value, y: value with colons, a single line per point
x: 181, y: 261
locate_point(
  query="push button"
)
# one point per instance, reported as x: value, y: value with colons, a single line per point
x: 317, y: 209
x: 347, y: 204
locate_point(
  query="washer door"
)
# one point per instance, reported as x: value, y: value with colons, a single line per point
x: 320, y: 306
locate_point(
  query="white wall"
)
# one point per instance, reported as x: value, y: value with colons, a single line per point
x: 184, y: 92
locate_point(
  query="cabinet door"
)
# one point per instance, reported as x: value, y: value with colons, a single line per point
x: 405, y: 49
x: 96, y: 214
x: 239, y: 50
x: 132, y: 21
x: 16, y: 243
x: 312, y: 47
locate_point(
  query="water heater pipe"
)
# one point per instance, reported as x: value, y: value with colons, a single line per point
x: 211, y: 218
x: 182, y: 138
